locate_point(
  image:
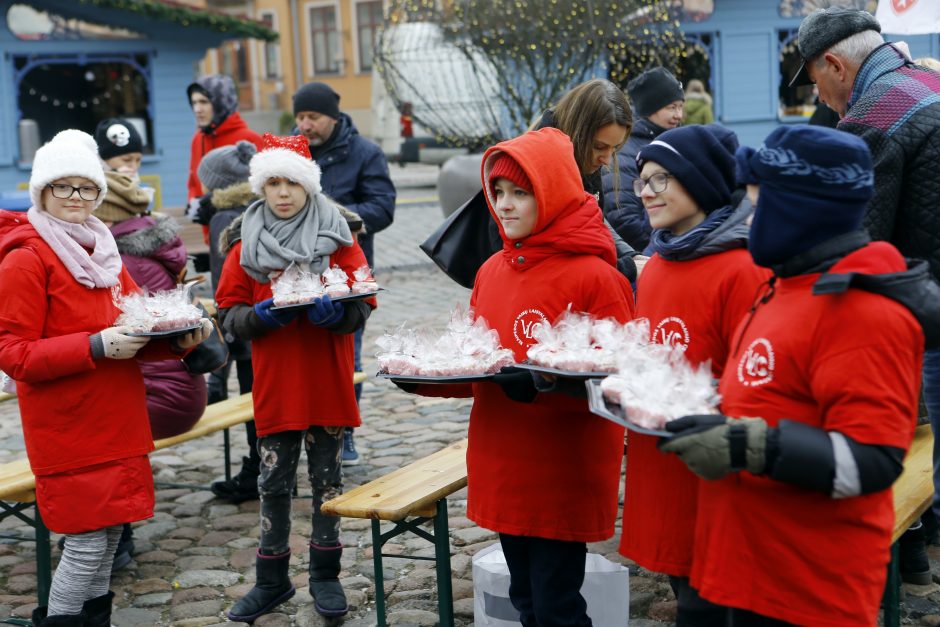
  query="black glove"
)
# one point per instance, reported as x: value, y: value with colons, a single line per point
x: 205, y: 210
x: 712, y: 445
x: 518, y: 385
x: 411, y: 388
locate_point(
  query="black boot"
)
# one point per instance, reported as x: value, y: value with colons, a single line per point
x: 241, y: 487
x: 328, y: 596
x: 272, y: 587
x: 63, y: 620
x: 98, y: 611
x: 914, y: 565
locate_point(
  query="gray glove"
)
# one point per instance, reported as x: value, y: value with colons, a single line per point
x: 194, y: 338
x: 113, y: 344
x: 713, y: 445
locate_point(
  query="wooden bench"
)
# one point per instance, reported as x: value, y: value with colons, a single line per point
x: 913, y: 495
x: 409, y: 497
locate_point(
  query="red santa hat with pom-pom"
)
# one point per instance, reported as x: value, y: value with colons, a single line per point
x: 284, y: 157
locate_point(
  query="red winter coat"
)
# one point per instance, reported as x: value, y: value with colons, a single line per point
x: 548, y: 469
x: 303, y: 372
x: 695, y: 304
x: 232, y: 130
x: 84, y: 420
x: 850, y: 363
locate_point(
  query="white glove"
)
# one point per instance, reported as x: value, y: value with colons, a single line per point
x: 119, y: 346
x: 194, y: 338
x: 192, y: 211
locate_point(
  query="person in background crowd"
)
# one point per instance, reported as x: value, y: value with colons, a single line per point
x: 658, y: 102
x: 816, y: 417
x: 894, y: 106
x: 81, y: 394
x: 354, y: 174
x: 214, y: 100
x: 694, y: 290
x: 294, y: 223
x: 698, y: 104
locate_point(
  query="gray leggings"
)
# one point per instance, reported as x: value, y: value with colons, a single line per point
x: 84, y: 571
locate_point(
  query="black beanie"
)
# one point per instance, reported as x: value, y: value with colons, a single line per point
x: 318, y: 97
x: 116, y: 137
x: 700, y: 157
x: 654, y: 89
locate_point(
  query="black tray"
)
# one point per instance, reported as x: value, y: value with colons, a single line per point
x: 173, y: 333
x: 337, y: 299
x: 465, y: 378
x: 614, y: 413
x: 565, y: 374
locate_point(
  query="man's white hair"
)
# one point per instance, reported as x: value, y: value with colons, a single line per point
x: 856, y: 48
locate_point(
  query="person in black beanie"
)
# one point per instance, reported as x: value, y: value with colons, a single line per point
x: 119, y: 146
x: 354, y: 174
x: 658, y: 103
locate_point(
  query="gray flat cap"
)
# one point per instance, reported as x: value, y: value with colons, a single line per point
x: 824, y: 28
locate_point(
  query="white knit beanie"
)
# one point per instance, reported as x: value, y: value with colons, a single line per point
x: 69, y: 153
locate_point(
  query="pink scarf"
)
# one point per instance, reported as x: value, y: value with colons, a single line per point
x: 71, y: 242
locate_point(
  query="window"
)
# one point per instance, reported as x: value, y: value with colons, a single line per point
x: 368, y: 21
x: 271, y: 49
x: 797, y: 102
x: 324, y: 38
x: 233, y: 59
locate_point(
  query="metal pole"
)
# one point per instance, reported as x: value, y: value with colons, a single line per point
x: 892, y: 596
x: 43, y: 560
x: 379, y: 574
x: 445, y: 594
x: 228, y: 455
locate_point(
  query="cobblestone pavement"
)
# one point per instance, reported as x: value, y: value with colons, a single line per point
x: 195, y: 557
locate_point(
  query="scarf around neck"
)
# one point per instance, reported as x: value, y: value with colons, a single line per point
x: 270, y: 244
x: 684, y: 247
x: 71, y: 242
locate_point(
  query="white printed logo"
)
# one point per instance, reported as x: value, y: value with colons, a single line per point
x: 672, y: 331
x: 524, y: 325
x: 757, y: 364
x: 119, y: 135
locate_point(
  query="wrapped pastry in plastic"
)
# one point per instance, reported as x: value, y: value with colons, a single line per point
x: 363, y: 281
x: 161, y: 311
x: 295, y: 285
x: 335, y: 282
x: 577, y: 342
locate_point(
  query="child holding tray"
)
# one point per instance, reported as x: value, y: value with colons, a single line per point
x: 294, y: 223
x: 558, y: 491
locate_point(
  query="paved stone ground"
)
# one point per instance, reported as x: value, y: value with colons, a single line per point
x: 196, y: 556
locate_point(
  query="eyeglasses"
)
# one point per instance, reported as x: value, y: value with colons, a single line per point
x: 657, y: 183
x: 64, y: 192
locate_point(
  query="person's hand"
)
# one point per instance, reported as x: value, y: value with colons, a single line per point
x: 117, y: 345
x: 195, y: 337
x: 192, y: 209
x: 640, y: 261
x: 712, y: 445
x: 325, y: 312
x: 273, y: 319
x: 518, y: 384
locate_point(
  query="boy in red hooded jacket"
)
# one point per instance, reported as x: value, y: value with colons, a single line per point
x: 542, y: 470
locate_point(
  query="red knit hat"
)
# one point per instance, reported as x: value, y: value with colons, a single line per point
x: 506, y: 167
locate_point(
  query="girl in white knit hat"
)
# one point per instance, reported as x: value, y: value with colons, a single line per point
x: 81, y: 394
x: 294, y: 223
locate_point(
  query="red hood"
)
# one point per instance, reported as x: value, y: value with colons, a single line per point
x: 570, y: 221
x: 873, y: 258
x: 15, y: 229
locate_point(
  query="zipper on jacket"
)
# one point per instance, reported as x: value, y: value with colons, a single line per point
x: 769, y: 289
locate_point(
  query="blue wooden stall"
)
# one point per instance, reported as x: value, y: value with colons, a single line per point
x: 70, y: 63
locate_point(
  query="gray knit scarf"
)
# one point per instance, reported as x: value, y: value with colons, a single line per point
x: 270, y: 244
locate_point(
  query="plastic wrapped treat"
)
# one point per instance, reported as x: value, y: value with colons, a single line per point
x: 363, y: 281
x: 579, y: 343
x: 295, y: 286
x: 159, y: 312
x: 335, y: 282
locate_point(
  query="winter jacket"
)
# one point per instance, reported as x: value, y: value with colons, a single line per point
x: 895, y: 108
x: 154, y: 255
x: 354, y: 173
x: 303, y: 372
x: 562, y: 484
x: 623, y: 209
x: 231, y: 130
x: 847, y: 362
x: 84, y: 420
x: 229, y: 203
x: 694, y: 303
x: 698, y: 109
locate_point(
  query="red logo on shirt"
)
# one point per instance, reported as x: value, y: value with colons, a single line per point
x: 672, y: 331
x: 525, y: 323
x: 757, y: 364
x: 900, y: 6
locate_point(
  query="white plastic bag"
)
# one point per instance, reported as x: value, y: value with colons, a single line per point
x: 606, y: 589
x: 7, y: 384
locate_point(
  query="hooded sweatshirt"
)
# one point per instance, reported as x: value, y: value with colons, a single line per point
x: 562, y: 482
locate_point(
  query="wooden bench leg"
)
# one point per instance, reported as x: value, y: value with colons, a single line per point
x: 891, y: 602
x: 445, y: 595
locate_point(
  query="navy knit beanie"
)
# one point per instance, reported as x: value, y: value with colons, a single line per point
x: 700, y: 157
x: 815, y: 184
x: 654, y: 89
x: 318, y: 97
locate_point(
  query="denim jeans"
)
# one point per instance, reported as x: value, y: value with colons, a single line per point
x: 280, y: 454
x: 931, y: 385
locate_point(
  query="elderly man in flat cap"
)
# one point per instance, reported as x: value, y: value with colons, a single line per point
x: 894, y: 106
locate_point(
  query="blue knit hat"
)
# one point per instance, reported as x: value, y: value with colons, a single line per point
x: 815, y: 184
x: 700, y: 157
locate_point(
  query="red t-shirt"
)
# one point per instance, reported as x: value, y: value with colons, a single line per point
x: 848, y: 363
x: 303, y: 373
x: 695, y: 304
